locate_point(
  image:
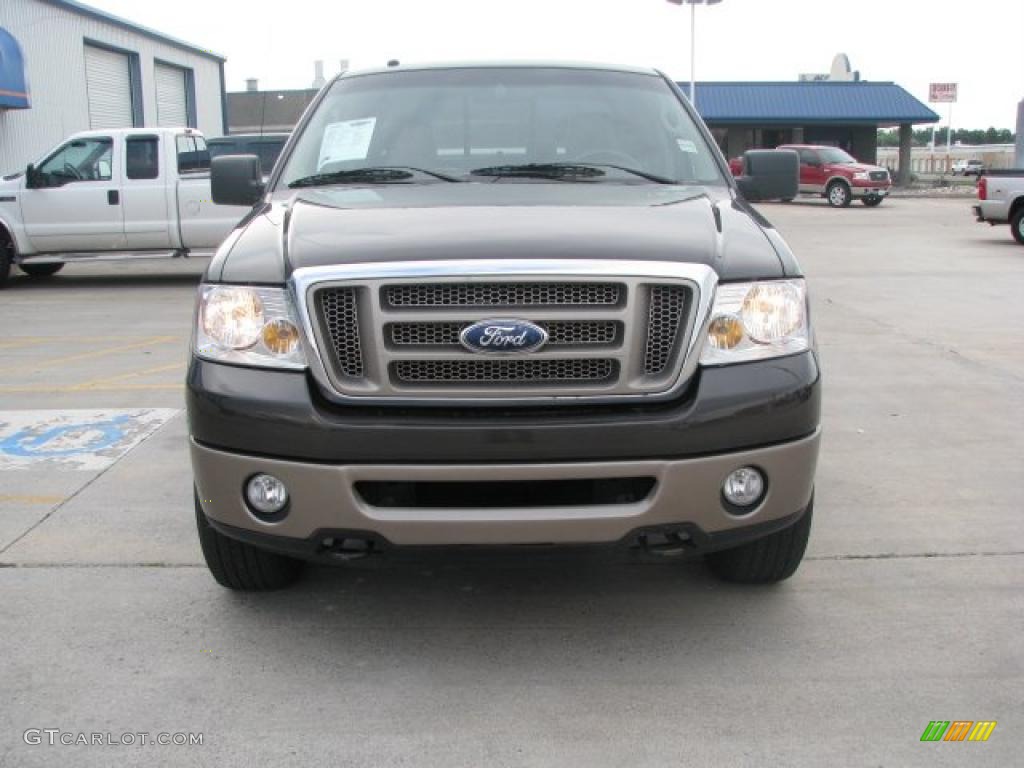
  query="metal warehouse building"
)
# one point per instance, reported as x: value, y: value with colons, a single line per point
x: 66, y: 67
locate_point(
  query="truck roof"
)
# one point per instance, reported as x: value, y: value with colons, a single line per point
x: 123, y: 132
x: 540, y: 64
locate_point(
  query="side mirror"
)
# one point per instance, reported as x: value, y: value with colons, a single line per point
x: 236, y: 180
x: 33, y: 178
x: 770, y: 174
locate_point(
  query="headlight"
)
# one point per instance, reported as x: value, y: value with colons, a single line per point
x: 248, y: 326
x: 862, y: 176
x: 755, y: 321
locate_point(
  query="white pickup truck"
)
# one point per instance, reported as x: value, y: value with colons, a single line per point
x: 130, y: 193
x: 1001, y: 200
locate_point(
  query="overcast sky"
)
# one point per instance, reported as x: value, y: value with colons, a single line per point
x: 912, y: 42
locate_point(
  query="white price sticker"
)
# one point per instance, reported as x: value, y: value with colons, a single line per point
x: 347, y: 140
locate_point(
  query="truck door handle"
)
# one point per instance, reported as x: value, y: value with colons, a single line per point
x: 113, y: 197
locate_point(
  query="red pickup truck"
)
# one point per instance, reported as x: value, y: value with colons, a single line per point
x: 833, y: 174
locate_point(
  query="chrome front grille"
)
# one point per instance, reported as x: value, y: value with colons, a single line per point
x: 664, y: 319
x: 519, y: 371
x: 879, y: 175
x: 340, y: 317
x: 560, y: 333
x: 503, y: 295
x: 392, y: 332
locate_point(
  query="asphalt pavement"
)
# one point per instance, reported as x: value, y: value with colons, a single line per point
x: 908, y: 609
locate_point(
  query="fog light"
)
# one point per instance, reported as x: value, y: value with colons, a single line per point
x: 744, y: 487
x: 267, y: 496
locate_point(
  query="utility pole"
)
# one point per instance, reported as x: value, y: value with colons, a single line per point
x: 1018, y: 155
x: 693, y: 41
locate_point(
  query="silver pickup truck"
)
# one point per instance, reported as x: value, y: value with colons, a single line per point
x: 1001, y: 200
x: 101, y: 195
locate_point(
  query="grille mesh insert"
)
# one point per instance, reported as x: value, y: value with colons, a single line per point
x: 503, y: 294
x: 502, y: 371
x: 340, y: 316
x: 667, y: 310
x: 560, y: 333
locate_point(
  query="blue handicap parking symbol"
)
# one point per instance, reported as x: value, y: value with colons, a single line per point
x: 32, y: 444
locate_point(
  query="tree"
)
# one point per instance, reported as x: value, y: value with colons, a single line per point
x: 890, y: 137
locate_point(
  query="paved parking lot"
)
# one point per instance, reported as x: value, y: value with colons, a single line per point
x: 908, y: 609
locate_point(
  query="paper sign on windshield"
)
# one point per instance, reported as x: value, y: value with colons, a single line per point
x: 347, y: 140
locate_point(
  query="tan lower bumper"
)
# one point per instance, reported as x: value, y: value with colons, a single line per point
x: 687, y: 491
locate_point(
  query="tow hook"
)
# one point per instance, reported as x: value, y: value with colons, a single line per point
x: 667, y: 541
x: 347, y: 549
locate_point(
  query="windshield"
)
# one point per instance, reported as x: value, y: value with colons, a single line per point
x: 833, y: 155
x: 507, y: 124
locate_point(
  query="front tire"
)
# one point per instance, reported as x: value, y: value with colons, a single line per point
x: 1017, y: 226
x: 241, y: 566
x: 838, y: 194
x: 6, y: 257
x: 40, y: 270
x: 765, y: 561
x: 872, y: 202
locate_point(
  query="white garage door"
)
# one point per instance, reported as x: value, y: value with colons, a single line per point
x: 171, y: 106
x: 109, y: 83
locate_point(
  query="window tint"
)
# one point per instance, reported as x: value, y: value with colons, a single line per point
x: 80, y: 160
x: 808, y: 156
x: 220, y: 147
x: 835, y: 155
x: 267, y: 151
x: 193, y: 155
x: 459, y: 120
x: 141, y: 157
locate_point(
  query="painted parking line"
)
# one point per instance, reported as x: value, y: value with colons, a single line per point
x: 15, y: 498
x: 74, y: 439
x: 123, y: 377
x: 27, y: 390
x: 93, y: 354
x: 19, y: 342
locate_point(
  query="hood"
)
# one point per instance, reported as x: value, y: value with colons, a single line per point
x: 517, y: 220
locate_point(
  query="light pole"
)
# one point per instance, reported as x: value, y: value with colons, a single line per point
x: 693, y: 40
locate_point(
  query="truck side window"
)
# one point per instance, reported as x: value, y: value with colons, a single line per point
x: 79, y: 160
x: 808, y: 157
x: 193, y: 155
x: 142, y: 159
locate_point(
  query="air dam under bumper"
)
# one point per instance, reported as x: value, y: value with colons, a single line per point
x: 324, y: 498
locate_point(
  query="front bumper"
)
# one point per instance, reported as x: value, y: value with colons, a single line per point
x: 867, y: 189
x: 326, y: 504
x: 280, y: 414
x: 244, y: 421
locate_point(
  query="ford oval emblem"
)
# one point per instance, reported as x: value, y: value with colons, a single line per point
x: 503, y: 337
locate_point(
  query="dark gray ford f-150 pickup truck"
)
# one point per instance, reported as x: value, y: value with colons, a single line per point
x: 502, y: 305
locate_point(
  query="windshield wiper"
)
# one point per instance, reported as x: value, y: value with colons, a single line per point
x: 373, y: 175
x: 564, y: 171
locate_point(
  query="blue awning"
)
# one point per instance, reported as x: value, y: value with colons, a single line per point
x: 808, y: 103
x: 14, y: 93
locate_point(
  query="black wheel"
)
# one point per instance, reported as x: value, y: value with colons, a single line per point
x: 40, y: 270
x: 240, y: 566
x: 6, y: 256
x: 765, y: 561
x: 838, y: 194
x: 872, y: 202
x: 1017, y: 226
